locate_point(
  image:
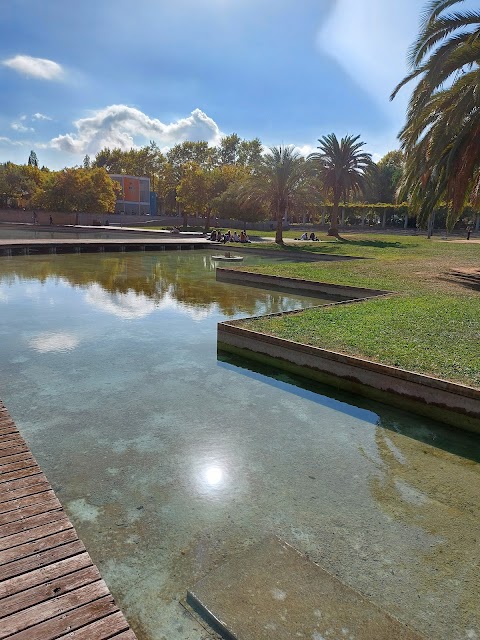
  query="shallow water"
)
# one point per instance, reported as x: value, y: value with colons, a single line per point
x: 170, y: 459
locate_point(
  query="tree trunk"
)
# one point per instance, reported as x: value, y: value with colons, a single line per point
x: 207, y: 220
x: 279, y: 231
x: 333, y: 230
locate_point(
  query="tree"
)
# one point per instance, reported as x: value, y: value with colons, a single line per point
x: 19, y: 181
x: 74, y: 190
x: 341, y: 167
x: 188, y: 151
x: 276, y: 183
x: 87, y: 164
x: 384, y: 177
x: 229, y: 149
x: 441, y: 137
x: 32, y: 159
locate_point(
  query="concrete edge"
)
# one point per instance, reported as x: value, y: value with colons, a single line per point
x: 298, y: 284
x: 208, y: 616
x: 441, y: 400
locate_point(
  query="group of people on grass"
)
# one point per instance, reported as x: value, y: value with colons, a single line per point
x: 218, y: 236
x: 312, y: 237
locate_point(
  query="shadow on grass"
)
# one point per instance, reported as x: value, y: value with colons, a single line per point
x: 379, y: 244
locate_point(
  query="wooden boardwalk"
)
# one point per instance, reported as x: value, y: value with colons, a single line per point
x: 49, y: 586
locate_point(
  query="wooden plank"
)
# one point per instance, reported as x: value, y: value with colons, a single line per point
x: 36, y: 577
x: 30, y: 523
x: 18, y: 464
x: 19, y: 456
x: 13, y: 441
x: 47, y: 504
x: 19, y: 482
x: 42, y: 559
x: 44, y: 530
x: 7, y: 431
x: 126, y: 635
x: 49, y: 586
x: 23, y: 492
x: 36, y: 546
x: 27, y: 501
x: 40, y: 613
x: 13, y: 450
x: 7, y: 437
x: 109, y: 627
x: 21, y: 473
x: 14, y: 607
x: 69, y: 621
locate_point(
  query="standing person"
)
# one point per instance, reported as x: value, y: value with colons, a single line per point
x: 34, y: 217
x: 51, y: 220
x: 469, y: 231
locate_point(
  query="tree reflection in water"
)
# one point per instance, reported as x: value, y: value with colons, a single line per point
x: 149, y: 281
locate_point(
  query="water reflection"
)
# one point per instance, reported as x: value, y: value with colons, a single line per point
x: 424, y: 479
x: 133, y: 285
x: 440, y: 436
x: 50, y: 342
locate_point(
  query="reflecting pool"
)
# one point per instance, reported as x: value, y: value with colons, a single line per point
x: 170, y: 459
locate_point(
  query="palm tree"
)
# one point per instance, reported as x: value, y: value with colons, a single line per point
x: 342, y: 168
x: 277, y: 182
x: 441, y: 138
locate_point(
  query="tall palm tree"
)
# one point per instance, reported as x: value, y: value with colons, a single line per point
x: 441, y: 137
x: 277, y: 182
x: 342, y: 168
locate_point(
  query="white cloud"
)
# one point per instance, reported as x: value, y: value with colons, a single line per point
x: 18, y: 126
x: 306, y: 149
x: 5, y: 140
x: 35, y: 67
x: 123, y: 126
x: 40, y: 116
x: 132, y: 306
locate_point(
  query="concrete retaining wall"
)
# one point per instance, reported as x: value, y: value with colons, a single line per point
x: 60, y: 218
x: 444, y: 401
x: 298, y: 285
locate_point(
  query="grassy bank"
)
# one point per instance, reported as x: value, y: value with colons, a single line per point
x: 432, y: 326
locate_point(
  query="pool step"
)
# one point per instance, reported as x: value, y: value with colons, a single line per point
x: 272, y: 591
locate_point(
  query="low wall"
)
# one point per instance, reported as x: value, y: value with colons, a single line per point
x: 62, y: 218
x: 305, y: 287
x: 444, y: 401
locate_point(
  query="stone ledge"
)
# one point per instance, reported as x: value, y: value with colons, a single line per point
x: 309, y: 287
x: 441, y: 400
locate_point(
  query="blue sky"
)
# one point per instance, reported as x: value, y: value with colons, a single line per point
x: 77, y: 77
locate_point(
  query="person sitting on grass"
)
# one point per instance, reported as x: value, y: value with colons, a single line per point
x: 235, y: 237
x: 244, y: 237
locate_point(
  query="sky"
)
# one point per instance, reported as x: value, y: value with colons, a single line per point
x: 77, y: 77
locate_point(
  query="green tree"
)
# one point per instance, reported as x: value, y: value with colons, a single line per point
x: 383, y: 178
x: 342, y: 167
x: 87, y: 163
x: 442, y: 133
x: 32, y: 159
x: 20, y: 182
x: 277, y: 183
x: 74, y: 190
x: 198, y: 152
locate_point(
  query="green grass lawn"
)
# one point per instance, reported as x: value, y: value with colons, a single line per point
x: 431, y: 326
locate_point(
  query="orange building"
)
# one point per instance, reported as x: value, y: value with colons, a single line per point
x: 135, y: 196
